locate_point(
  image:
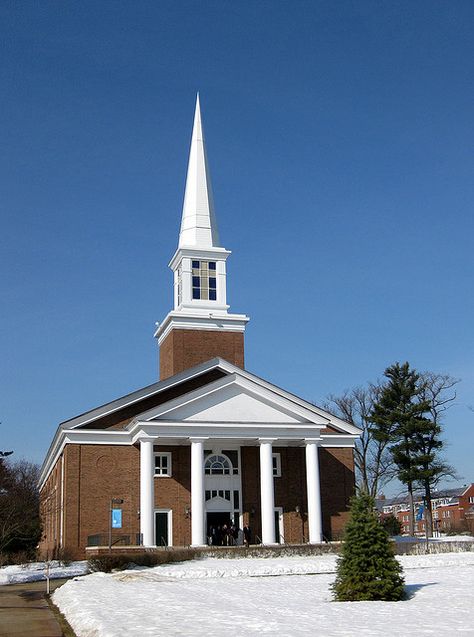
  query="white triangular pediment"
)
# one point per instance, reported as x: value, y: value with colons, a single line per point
x: 232, y: 404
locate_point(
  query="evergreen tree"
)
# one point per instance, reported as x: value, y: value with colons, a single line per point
x: 392, y: 525
x: 398, y: 417
x: 367, y: 569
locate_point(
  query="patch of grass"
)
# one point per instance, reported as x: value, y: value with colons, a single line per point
x: 62, y: 621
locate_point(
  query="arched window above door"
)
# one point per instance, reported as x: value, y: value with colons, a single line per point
x: 218, y: 465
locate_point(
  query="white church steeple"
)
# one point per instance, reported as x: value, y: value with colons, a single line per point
x: 198, y: 222
x: 199, y: 264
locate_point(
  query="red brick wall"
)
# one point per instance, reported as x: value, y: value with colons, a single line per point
x: 337, y: 487
x: 183, y: 349
x: 96, y: 473
x: 50, y: 511
x: 93, y: 474
x: 175, y: 493
x: 336, y: 467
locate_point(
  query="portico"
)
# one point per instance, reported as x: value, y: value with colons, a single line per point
x: 198, y: 500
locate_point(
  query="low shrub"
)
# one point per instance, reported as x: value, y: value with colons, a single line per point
x: 64, y: 556
x: 19, y: 557
x: 121, y: 561
x: 282, y: 550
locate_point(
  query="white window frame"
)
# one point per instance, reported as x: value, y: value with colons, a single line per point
x: 169, y: 468
x: 276, y: 470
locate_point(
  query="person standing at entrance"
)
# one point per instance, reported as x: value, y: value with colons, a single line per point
x: 247, y: 535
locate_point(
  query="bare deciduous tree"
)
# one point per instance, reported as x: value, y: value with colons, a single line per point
x: 19, y: 506
x: 373, y: 461
x: 438, y: 390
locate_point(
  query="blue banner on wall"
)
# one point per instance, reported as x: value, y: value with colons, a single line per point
x: 116, y: 518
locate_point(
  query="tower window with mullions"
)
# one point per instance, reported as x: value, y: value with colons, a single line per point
x: 204, y: 280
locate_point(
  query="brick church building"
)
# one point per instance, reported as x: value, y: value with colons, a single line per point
x: 208, y: 444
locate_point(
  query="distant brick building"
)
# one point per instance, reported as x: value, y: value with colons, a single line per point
x: 453, y: 510
x: 208, y: 445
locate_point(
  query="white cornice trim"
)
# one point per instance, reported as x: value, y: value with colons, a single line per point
x: 240, y: 433
x: 188, y: 320
x: 338, y: 440
x: 214, y: 254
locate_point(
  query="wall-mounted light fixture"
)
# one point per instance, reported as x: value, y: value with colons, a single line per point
x: 187, y: 512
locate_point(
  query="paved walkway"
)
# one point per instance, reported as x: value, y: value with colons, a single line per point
x: 24, y: 611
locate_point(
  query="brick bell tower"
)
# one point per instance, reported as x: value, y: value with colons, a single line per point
x: 199, y: 327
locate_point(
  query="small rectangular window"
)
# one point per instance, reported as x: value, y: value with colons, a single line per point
x: 212, y: 265
x: 212, y: 295
x: 196, y: 264
x: 276, y: 462
x: 163, y: 464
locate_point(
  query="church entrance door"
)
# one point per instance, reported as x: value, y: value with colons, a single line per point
x: 215, y: 523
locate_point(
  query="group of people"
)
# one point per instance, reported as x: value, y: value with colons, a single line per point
x: 229, y: 535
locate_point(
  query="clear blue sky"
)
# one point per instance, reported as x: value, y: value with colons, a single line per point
x: 340, y: 139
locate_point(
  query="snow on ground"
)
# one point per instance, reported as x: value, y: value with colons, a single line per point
x: 441, y: 538
x: 243, y: 597
x: 35, y: 571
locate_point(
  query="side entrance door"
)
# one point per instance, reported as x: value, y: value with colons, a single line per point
x: 163, y: 528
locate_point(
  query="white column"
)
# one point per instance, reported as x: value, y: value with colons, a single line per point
x: 147, y: 492
x: 314, y: 492
x: 198, y: 535
x: 266, y: 492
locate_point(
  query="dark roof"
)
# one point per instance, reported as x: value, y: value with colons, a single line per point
x: 455, y: 492
x: 145, y: 398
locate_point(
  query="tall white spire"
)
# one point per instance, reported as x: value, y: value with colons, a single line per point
x: 199, y: 263
x: 198, y: 223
